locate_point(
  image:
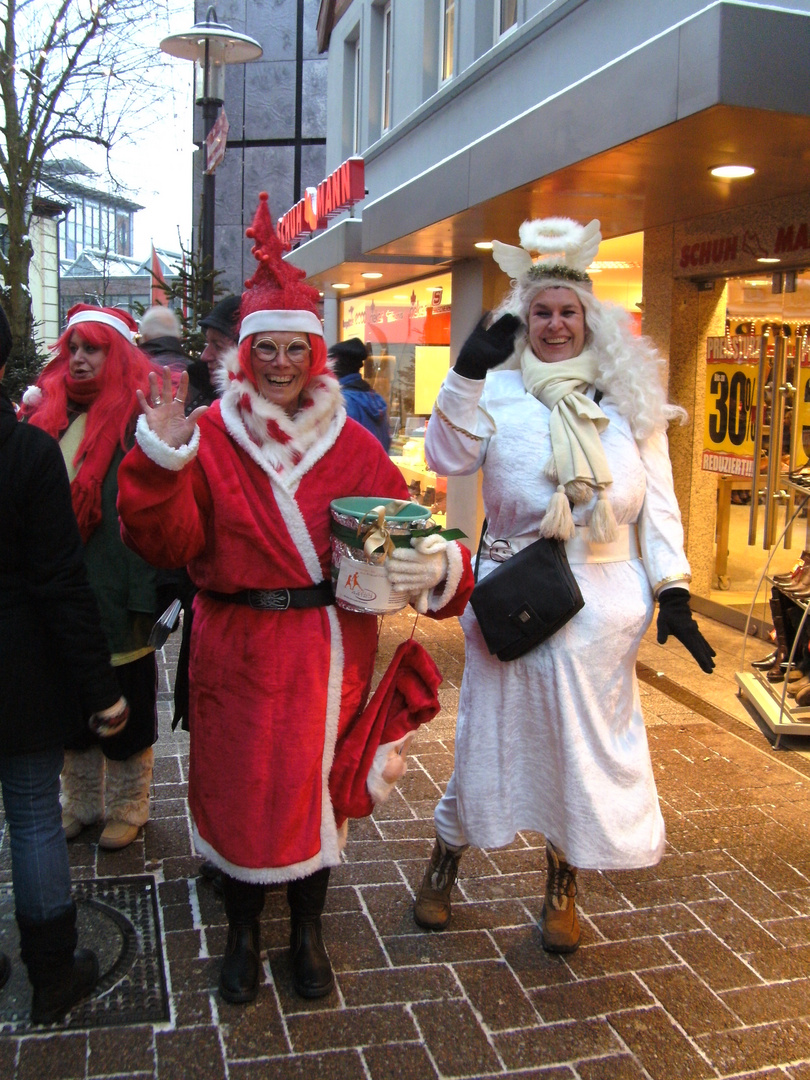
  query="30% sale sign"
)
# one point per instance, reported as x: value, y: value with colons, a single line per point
x: 732, y: 367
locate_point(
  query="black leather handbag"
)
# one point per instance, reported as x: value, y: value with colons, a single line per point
x: 525, y: 599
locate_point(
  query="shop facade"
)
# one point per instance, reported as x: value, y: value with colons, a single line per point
x: 614, y: 109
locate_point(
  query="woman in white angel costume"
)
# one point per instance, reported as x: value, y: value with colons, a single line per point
x: 563, y: 409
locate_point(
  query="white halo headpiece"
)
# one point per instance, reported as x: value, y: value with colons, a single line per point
x: 567, y: 247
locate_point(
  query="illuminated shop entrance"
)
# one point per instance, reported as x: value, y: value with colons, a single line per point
x: 407, y: 333
x: 757, y: 434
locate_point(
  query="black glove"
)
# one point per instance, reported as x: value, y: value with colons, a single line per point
x: 675, y: 617
x: 485, y: 349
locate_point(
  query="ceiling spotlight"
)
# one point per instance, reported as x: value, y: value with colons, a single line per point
x: 340, y: 285
x: 732, y: 172
x: 768, y: 260
x: 484, y: 245
x: 371, y: 275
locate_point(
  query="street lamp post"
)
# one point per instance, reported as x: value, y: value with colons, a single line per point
x: 211, y: 45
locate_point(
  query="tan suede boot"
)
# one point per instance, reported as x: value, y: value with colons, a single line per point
x: 431, y: 908
x: 560, y: 925
x: 127, y: 799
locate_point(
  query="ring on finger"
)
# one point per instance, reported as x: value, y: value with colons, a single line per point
x: 158, y: 401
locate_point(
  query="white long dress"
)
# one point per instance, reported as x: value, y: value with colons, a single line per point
x: 554, y: 741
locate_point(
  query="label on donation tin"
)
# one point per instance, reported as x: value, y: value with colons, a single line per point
x: 365, y: 587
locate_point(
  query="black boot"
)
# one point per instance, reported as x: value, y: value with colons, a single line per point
x: 242, y: 965
x: 60, y: 974
x: 311, y: 971
x: 5, y: 969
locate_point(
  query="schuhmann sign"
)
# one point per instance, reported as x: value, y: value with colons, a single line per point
x: 784, y: 239
x: 341, y: 189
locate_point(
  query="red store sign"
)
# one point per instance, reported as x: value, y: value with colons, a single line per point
x: 341, y: 189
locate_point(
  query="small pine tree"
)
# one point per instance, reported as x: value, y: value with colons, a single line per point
x: 29, y: 358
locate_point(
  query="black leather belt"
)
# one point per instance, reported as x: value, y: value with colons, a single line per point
x: 278, y: 599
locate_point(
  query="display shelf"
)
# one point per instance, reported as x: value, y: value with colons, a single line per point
x: 767, y: 699
x: 777, y: 708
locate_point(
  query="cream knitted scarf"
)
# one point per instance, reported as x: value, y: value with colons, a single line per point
x: 578, y: 463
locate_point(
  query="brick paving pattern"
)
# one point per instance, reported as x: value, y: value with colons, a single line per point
x: 699, y: 967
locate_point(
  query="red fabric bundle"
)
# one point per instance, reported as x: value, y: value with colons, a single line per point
x: 406, y: 698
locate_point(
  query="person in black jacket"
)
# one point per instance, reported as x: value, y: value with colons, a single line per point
x: 54, y: 673
x: 159, y: 337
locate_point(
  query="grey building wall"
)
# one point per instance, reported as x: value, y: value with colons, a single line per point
x: 276, y: 108
x: 555, y: 44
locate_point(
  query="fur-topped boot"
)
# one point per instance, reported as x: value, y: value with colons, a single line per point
x: 127, y: 798
x: 560, y: 924
x: 82, y: 789
x: 431, y: 909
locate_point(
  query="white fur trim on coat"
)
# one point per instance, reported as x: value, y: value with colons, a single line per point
x: 309, y: 434
x: 160, y: 452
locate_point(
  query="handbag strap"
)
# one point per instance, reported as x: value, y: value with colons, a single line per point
x: 478, y: 553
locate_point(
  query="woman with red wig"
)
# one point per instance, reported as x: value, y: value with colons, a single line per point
x: 86, y: 398
x: 241, y: 493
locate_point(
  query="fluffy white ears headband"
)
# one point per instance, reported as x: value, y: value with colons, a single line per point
x: 571, y: 245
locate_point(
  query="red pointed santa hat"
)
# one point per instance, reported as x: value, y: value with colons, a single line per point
x: 406, y: 698
x: 276, y: 297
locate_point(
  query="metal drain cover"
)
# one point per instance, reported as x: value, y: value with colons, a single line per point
x: 118, y: 920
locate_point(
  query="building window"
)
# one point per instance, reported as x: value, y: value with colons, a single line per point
x: 448, y: 25
x: 386, y: 67
x: 123, y: 234
x: 506, y: 15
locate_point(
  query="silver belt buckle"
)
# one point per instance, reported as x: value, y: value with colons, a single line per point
x: 500, y: 550
x: 270, y: 599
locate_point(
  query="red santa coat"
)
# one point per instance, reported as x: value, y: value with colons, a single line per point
x: 270, y: 691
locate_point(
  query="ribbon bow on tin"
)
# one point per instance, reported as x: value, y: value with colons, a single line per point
x: 375, y: 535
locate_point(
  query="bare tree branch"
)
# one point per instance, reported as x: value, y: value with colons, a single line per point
x: 71, y: 71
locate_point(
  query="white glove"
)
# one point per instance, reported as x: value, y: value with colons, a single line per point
x: 418, y: 569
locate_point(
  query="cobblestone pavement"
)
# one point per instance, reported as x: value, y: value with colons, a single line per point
x: 699, y: 967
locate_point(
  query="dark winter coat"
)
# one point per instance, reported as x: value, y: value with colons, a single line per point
x: 366, y: 406
x: 54, y: 661
x: 167, y: 352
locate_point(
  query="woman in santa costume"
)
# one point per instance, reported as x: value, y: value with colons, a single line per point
x: 240, y: 493
x: 85, y: 398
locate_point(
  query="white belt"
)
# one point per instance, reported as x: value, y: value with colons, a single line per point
x: 580, y: 549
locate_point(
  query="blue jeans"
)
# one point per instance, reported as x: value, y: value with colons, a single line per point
x: 40, y: 871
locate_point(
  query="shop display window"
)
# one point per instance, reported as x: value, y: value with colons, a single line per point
x: 407, y: 334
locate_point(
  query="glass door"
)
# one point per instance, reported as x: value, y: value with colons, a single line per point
x: 758, y: 435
